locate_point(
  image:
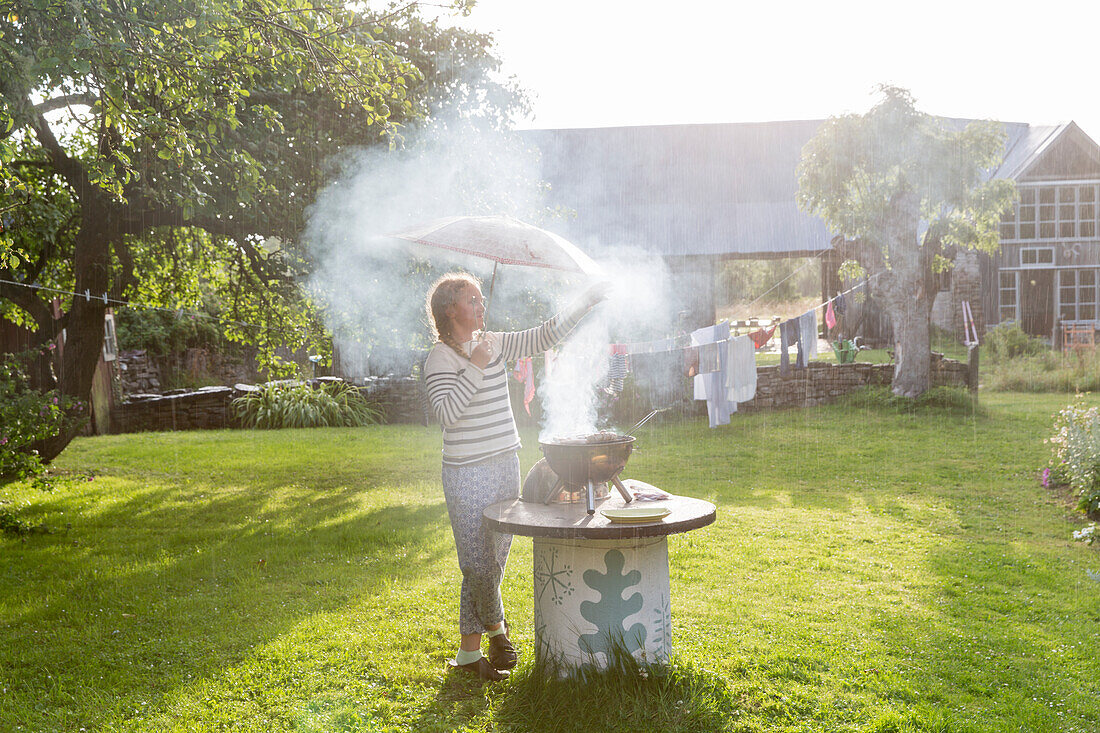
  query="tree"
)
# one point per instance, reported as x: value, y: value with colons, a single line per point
x: 899, y: 186
x: 147, y: 146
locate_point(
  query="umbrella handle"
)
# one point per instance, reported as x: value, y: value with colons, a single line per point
x: 489, y: 298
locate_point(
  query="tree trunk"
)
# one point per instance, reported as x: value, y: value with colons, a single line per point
x: 912, y: 348
x: 84, y: 329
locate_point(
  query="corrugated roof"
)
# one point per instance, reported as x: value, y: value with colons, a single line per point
x: 1025, y: 144
x: 715, y: 189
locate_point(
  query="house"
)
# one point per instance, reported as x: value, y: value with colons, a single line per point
x: 1048, y: 270
x: 699, y: 194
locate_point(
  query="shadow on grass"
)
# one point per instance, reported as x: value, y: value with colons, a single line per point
x: 160, y: 590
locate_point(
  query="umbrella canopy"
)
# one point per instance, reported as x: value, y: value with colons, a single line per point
x: 503, y: 240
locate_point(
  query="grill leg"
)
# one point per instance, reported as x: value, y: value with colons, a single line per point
x: 622, y: 489
x: 590, y: 498
x: 553, y: 493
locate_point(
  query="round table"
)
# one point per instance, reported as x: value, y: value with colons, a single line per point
x: 598, y: 584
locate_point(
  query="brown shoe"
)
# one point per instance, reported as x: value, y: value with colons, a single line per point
x: 502, y: 655
x: 482, y: 669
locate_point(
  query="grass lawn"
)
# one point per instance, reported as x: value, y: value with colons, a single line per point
x: 869, y: 571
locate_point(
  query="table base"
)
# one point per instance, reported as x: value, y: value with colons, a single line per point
x: 594, y: 595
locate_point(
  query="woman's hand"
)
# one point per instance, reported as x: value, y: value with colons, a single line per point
x: 597, y: 293
x: 482, y: 353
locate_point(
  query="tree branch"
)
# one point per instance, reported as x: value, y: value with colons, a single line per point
x: 23, y: 110
x: 25, y: 299
x: 86, y: 98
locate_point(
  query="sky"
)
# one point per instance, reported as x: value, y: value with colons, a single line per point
x: 598, y: 63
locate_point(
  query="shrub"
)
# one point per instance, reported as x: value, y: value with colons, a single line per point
x: 28, y: 416
x: 1076, y: 442
x: 298, y: 405
x: 1008, y: 340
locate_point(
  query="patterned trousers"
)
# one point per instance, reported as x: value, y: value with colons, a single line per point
x: 482, y: 554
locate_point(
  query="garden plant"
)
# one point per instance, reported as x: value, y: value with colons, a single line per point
x: 302, y: 405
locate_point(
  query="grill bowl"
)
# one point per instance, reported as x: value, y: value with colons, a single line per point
x: 577, y: 462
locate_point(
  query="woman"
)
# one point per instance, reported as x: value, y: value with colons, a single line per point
x: 467, y: 386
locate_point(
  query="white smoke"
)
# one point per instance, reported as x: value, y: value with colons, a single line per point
x: 636, y: 309
x: 372, y: 288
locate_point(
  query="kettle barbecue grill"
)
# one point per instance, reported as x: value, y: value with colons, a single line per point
x: 582, y: 464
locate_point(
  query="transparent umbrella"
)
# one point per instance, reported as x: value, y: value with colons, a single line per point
x: 504, y: 240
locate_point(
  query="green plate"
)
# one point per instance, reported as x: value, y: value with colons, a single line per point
x: 635, y: 514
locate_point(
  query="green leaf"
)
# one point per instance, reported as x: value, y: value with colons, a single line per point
x: 164, y: 154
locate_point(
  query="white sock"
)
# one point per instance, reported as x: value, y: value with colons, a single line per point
x: 465, y: 657
x: 495, y: 632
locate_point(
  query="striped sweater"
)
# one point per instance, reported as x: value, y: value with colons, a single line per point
x: 472, y: 404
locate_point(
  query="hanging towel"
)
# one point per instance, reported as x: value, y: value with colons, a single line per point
x: 763, y: 336
x: 524, y: 371
x: 807, y: 323
x: 830, y: 316
x: 713, y: 383
x: 741, y: 375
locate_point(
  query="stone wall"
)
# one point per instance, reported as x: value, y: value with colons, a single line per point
x: 139, y: 372
x: 142, y: 373
x: 210, y: 408
x: 402, y: 399
x: 204, y: 409
x: 823, y: 382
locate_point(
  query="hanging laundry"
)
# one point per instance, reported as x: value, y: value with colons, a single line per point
x: 713, y: 383
x: 658, y: 375
x: 667, y: 344
x: 790, y: 334
x: 550, y: 357
x: 691, y: 361
x: 708, y: 358
x: 617, y: 369
x: 830, y: 316
x: 841, y: 305
x: 807, y: 323
x: 524, y: 372
x: 741, y: 375
x: 762, y: 336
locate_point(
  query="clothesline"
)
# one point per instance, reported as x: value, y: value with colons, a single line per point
x: 88, y: 296
x: 849, y: 290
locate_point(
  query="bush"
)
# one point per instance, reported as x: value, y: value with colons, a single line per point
x: 298, y: 405
x: 1008, y: 340
x: 1076, y: 442
x: 28, y: 416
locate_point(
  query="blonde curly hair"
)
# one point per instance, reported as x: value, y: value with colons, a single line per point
x: 445, y: 292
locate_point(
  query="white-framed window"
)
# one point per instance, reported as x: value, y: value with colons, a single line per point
x: 1077, y: 294
x: 1063, y: 211
x: 1008, y: 290
x: 1036, y: 256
